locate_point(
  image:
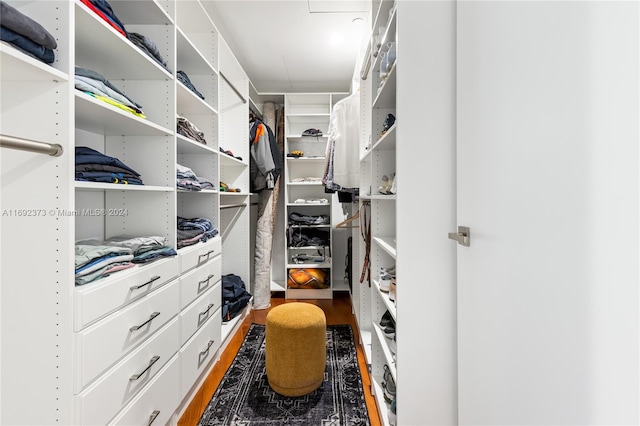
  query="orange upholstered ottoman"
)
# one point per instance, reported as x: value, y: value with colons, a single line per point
x: 295, y: 348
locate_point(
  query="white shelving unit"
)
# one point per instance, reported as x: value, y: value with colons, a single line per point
x: 378, y: 159
x: 418, y: 88
x: 304, y: 191
x: 234, y: 169
x: 136, y: 345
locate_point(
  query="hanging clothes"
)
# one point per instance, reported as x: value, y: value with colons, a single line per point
x: 266, y: 212
x: 266, y: 161
x: 342, y: 153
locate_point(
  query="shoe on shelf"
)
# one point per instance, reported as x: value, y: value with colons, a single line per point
x: 388, y: 385
x: 392, y: 413
x: 394, y: 184
x: 388, y: 325
x: 387, y: 320
x: 385, y: 282
x: 392, y: 346
x: 390, y: 270
x: 385, y: 185
x: 389, y: 331
x: 392, y: 290
x: 388, y: 122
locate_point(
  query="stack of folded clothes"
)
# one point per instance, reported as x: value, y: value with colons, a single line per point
x: 147, y: 45
x: 96, y: 85
x: 187, y: 179
x: 144, y: 249
x: 192, y: 231
x: 97, y: 259
x: 184, y: 79
x: 26, y: 34
x: 93, y: 166
x: 103, y: 9
x: 189, y: 130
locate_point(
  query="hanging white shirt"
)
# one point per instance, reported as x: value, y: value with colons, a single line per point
x: 344, y: 135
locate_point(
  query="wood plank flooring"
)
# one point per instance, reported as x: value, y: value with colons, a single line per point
x: 337, y: 310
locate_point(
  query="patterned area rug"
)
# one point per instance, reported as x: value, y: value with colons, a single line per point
x: 245, y: 398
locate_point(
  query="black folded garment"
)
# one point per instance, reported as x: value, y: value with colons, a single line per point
x: 303, y: 219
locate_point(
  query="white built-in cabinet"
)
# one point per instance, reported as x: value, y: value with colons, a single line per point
x: 131, y: 348
x: 378, y: 159
x: 304, y: 194
x: 234, y: 169
x: 409, y: 228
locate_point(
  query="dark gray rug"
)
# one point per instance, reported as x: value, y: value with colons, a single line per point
x: 245, y: 398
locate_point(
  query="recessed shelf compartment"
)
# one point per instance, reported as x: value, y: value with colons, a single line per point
x: 99, y: 117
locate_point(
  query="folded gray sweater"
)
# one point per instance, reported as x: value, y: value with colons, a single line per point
x: 20, y: 23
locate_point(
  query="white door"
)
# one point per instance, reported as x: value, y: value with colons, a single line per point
x: 548, y: 289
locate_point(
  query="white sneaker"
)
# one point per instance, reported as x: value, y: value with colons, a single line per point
x: 390, y: 270
x: 385, y: 282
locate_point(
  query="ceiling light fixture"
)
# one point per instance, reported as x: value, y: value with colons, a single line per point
x: 335, y: 39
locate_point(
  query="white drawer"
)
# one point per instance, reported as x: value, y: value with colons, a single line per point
x: 199, y: 351
x: 197, y: 281
x: 192, y: 318
x: 103, y: 399
x: 199, y: 254
x: 96, y: 300
x: 155, y: 405
x: 102, y: 344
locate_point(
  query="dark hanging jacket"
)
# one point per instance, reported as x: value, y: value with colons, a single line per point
x: 266, y: 159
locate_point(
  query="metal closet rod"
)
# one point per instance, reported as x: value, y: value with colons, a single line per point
x: 367, y: 64
x: 244, y: 100
x: 231, y: 206
x: 22, y: 144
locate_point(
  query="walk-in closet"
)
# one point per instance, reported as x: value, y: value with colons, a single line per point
x: 454, y: 183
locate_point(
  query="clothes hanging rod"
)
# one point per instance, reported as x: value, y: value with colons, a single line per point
x: 367, y: 64
x: 255, y: 112
x: 244, y: 100
x: 22, y: 144
x: 232, y: 206
x: 229, y: 206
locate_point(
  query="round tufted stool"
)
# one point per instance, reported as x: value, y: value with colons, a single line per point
x: 295, y: 348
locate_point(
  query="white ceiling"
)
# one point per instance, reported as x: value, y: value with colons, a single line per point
x: 293, y: 45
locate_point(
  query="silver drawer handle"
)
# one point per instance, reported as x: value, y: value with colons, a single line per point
x: 153, y: 416
x: 207, y: 254
x: 204, y: 353
x: 137, y: 376
x: 206, y: 312
x: 151, y: 317
x: 205, y: 281
x: 138, y: 287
